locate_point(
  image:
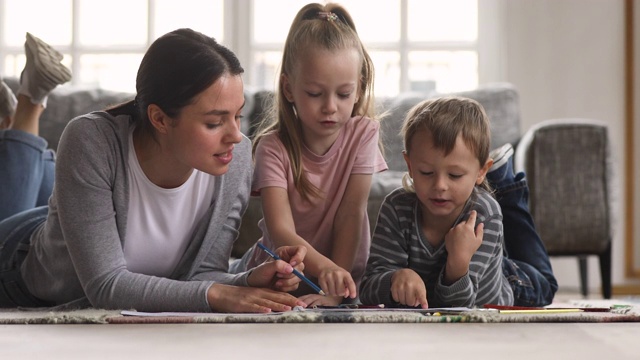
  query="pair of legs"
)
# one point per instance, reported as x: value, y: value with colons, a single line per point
x: 26, y: 165
x: 526, y: 264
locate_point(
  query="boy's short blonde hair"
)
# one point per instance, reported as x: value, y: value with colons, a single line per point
x: 447, y: 117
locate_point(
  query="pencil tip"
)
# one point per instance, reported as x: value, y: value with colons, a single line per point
x: 322, y: 293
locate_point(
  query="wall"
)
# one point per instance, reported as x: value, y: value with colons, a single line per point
x: 566, y: 57
x: 636, y: 134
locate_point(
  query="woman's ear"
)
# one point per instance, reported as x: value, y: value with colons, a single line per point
x: 286, y: 87
x: 159, y: 120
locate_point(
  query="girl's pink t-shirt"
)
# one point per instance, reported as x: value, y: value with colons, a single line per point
x: 355, y: 151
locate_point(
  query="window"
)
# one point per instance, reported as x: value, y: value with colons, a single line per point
x: 102, y: 41
x: 416, y: 45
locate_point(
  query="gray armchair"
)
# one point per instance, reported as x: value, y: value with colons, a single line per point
x: 567, y: 164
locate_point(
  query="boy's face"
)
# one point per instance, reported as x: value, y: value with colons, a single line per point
x: 443, y: 183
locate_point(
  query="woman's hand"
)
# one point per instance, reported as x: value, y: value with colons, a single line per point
x: 320, y: 300
x: 335, y: 280
x: 278, y: 274
x: 407, y: 288
x: 461, y: 242
x: 228, y: 298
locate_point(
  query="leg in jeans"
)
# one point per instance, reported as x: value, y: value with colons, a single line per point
x: 26, y: 172
x: 15, y: 233
x: 26, y: 166
x: 527, y: 264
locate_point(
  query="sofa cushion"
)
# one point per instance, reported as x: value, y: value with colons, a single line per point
x: 502, y: 104
x: 65, y: 103
x: 500, y: 101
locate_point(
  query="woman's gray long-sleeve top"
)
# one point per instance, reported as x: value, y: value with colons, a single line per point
x: 78, y: 252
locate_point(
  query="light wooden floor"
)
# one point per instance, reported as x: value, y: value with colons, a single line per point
x: 582, y: 341
x: 322, y: 341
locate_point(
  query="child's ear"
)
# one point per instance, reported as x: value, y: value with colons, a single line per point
x: 406, y: 159
x: 286, y: 87
x: 483, y: 171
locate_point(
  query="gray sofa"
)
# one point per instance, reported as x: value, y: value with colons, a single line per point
x: 500, y: 101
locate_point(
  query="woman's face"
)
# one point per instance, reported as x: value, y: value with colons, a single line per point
x: 205, y: 132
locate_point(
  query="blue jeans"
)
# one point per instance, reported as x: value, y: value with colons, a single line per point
x: 26, y: 182
x: 526, y: 264
x: 15, y: 235
x: 26, y: 172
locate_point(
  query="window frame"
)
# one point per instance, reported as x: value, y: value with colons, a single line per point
x: 489, y: 45
x: 238, y: 36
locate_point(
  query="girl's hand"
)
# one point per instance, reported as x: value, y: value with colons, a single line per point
x: 278, y: 274
x: 337, y: 281
x: 461, y: 242
x: 407, y: 288
x: 294, y: 255
x: 319, y: 300
x: 227, y: 298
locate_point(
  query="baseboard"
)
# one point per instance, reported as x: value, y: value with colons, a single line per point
x: 621, y: 290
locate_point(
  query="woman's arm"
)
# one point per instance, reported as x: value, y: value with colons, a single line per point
x: 91, y: 205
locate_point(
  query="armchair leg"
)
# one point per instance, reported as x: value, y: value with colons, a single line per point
x: 605, y: 272
x: 584, y: 279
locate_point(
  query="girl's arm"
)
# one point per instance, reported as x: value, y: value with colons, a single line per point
x: 347, y: 227
x: 282, y: 231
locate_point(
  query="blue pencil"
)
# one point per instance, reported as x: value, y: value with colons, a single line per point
x: 295, y: 272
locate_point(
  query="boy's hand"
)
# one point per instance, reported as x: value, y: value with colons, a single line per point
x: 461, y: 242
x: 407, y: 288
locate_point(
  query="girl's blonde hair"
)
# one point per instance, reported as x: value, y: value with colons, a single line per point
x: 316, y: 26
x: 445, y: 118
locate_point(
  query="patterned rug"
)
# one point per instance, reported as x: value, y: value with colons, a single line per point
x: 572, y: 311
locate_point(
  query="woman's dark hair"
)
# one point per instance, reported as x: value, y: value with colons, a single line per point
x: 177, y: 66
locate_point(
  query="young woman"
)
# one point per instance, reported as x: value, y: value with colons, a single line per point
x: 148, y: 195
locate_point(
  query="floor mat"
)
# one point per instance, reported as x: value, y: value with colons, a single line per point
x: 570, y: 311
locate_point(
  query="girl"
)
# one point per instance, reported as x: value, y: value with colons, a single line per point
x: 315, y: 159
x: 439, y: 239
x: 147, y: 200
